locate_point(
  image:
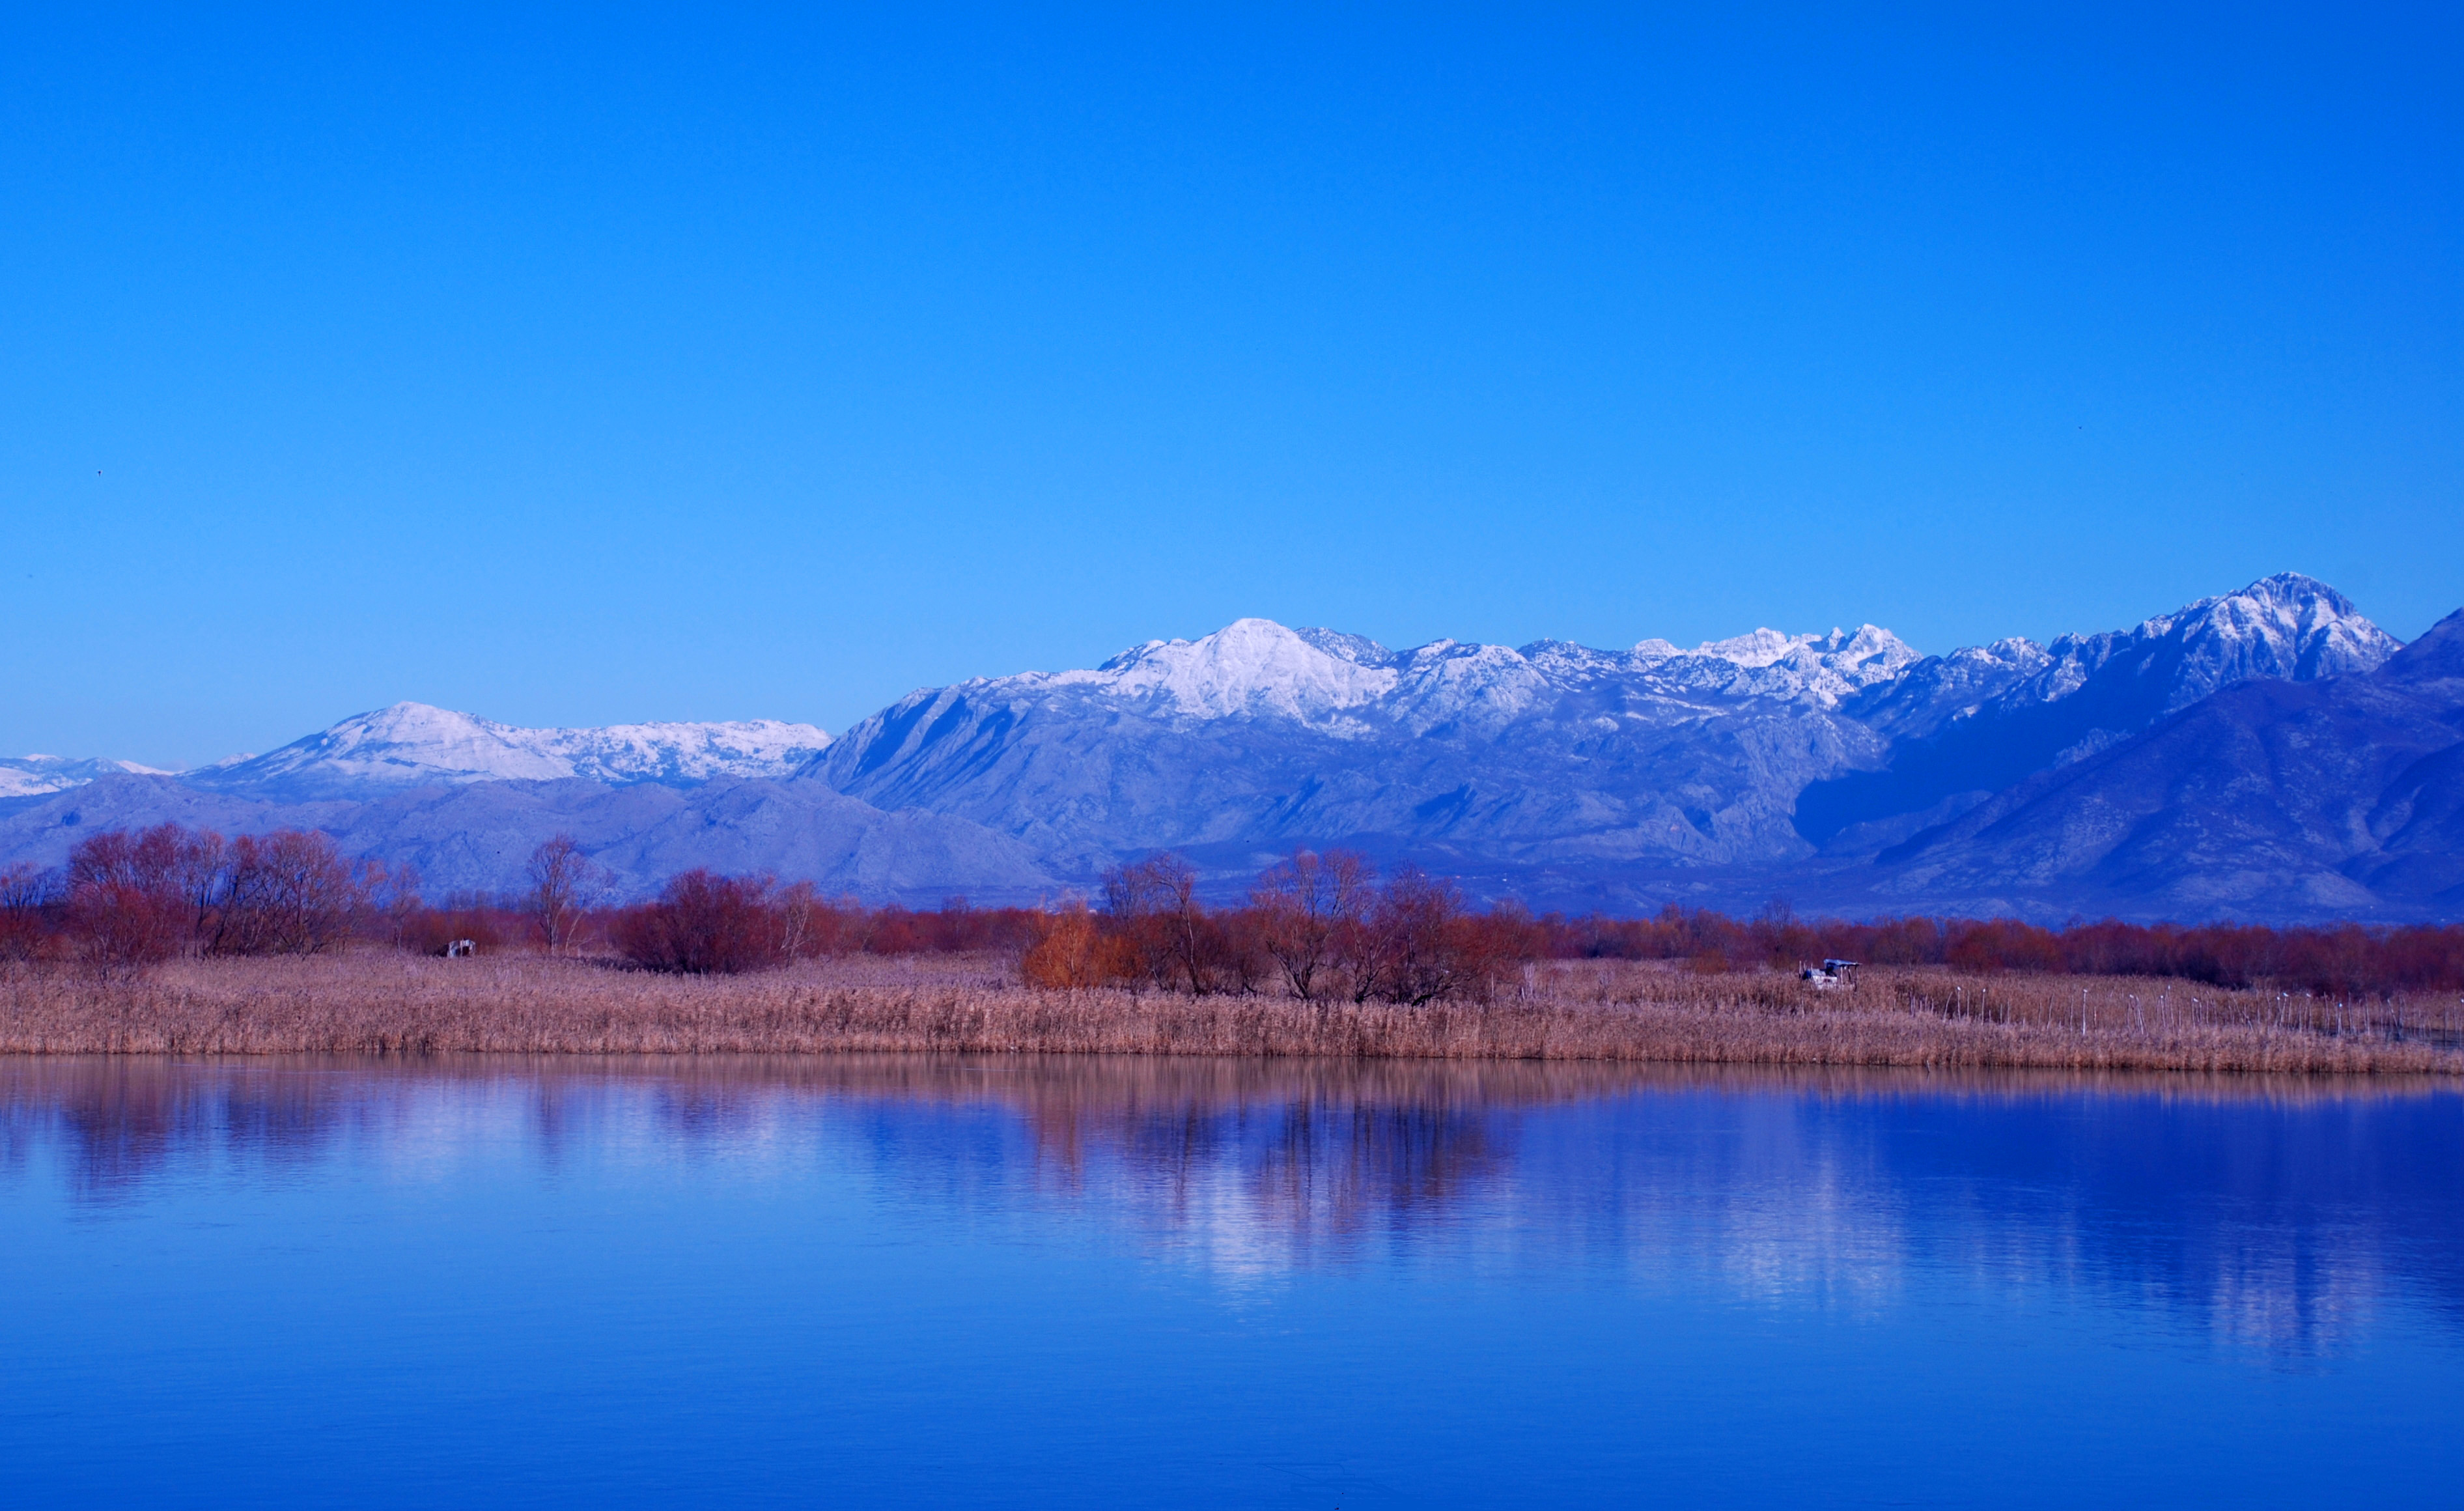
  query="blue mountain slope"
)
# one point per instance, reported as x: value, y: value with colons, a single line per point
x: 479, y: 836
x: 2082, y: 694
x: 1556, y: 759
x: 1258, y: 738
x: 2268, y: 799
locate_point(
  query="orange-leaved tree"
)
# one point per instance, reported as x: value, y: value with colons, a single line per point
x: 1077, y: 952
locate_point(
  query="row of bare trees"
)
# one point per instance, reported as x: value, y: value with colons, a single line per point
x: 1315, y: 927
x: 1320, y: 927
x: 130, y: 897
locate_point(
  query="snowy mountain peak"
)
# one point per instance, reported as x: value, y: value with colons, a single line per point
x: 1871, y: 652
x: 1249, y: 668
x: 1473, y: 687
x: 2286, y: 626
x: 1761, y: 648
x: 409, y: 744
x: 1357, y: 649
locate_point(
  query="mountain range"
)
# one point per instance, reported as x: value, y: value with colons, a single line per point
x: 2267, y: 754
x: 411, y: 745
x: 34, y: 775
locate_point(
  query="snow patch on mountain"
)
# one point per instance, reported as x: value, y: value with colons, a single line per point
x: 411, y: 744
x: 1473, y: 688
x: 36, y: 775
x: 1768, y: 664
x: 1940, y: 690
x: 1357, y: 649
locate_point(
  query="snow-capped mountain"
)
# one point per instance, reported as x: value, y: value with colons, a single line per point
x: 1258, y: 737
x: 2288, y: 627
x: 1824, y: 667
x: 1259, y: 734
x: 1969, y: 725
x: 413, y: 744
x: 34, y: 775
x: 1249, y: 669
x: 2270, y: 798
x: 1842, y: 767
x: 1256, y: 669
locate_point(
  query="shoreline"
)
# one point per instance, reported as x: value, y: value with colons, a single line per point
x: 390, y: 1004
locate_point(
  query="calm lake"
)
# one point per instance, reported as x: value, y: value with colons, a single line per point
x: 916, y: 1281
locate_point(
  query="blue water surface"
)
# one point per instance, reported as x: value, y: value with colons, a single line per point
x: 987, y: 1281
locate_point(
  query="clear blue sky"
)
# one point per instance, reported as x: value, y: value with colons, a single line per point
x: 611, y: 365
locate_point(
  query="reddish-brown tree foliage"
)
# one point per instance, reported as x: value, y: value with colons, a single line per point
x: 170, y: 890
x: 134, y: 897
x: 286, y: 893
x: 1320, y: 927
x: 1169, y: 939
x: 28, y: 905
x: 2339, y: 961
x: 704, y: 923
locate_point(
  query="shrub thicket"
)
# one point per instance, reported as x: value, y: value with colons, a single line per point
x: 1317, y: 927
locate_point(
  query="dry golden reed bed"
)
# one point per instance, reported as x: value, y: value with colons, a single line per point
x: 378, y: 1002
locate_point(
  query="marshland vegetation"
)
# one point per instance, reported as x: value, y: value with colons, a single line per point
x: 175, y: 941
x: 378, y: 1001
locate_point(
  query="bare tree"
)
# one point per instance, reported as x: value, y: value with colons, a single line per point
x: 1416, y: 945
x: 286, y: 893
x: 565, y: 885
x: 393, y: 895
x: 145, y: 895
x: 1155, y: 901
x: 1305, y: 905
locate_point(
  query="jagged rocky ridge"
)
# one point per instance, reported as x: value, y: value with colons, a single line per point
x: 2337, y: 797
x: 1750, y: 753
x: 1258, y: 737
x: 1844, y: 768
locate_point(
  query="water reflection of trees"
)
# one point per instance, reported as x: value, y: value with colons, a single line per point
x: 119, y: 1120
x: 1279, y: 1162
x: 2280, y: 1213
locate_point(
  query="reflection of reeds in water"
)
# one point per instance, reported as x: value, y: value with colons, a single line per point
x: 1413, y: 1120
x: 1773, y: 1181
x: 1595, y: 1010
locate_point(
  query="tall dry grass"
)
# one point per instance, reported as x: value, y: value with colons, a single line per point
x: 382, y: 1002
